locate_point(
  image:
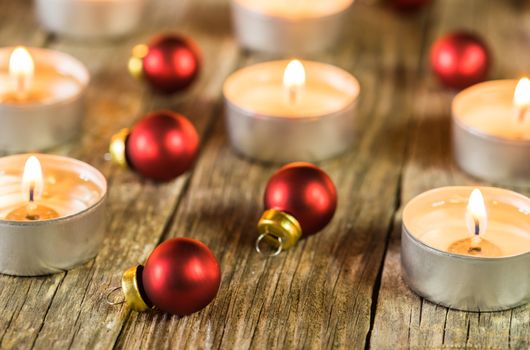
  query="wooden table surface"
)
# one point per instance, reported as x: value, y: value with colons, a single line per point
x: 341, y: 288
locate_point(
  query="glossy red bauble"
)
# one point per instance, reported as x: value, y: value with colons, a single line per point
x: 181, y: 276
x: 409, y: 5
x: 305, y: 192
x: 162, y: 146
x: 460, y: 60
x: 171, y: 63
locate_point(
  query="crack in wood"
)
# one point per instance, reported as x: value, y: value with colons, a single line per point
x: 48, y: 309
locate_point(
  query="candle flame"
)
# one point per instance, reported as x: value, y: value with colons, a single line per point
x: 521, y: 99
x: 294, y: 79
x: 21, y: 68
x: 521, y: 96
x: 294, y: 74
x: 32, y: 180
x: 476, y: 214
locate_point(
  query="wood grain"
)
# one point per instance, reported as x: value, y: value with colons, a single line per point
x: 401, y: 316
x: 339, y: 289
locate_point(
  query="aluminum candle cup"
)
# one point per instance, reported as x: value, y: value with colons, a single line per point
x: 90, y: 19
x: 283, y: 26
x: 291, y: 120
x: 75, y: 192
x: 49, y: 110
x: 434, y: 222
x: 489, y: 140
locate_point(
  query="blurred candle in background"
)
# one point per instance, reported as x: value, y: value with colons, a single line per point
x: 491, y: 130
x: 284, y: 111
x: 281, y: 26
x: 41, y: 98
x: 90, y: 19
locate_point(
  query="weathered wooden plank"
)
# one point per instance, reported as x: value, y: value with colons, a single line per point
x: 137, y: 230
x: 318, y: 294
x: 402, y: 317
x: 18, y: 27
x: 68, y: 309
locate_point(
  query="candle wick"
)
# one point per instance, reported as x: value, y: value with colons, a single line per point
x: 475, y: 241
x: 31, y: 207
x: 21, y: 88
x: 293, y: 94
x: 521, y: 116
x: 20, y: 83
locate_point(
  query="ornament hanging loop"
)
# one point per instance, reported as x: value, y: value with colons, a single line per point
x: 277, y: 239
x: 114, y: 300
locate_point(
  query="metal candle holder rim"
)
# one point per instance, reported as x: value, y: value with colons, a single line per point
x: 452, y: 255
x: 459, y: 256
x: 65, y: 217
x: 282, y: 19
x: 476, y: 132
x: 356, y: 84
x: 490, y: 137
x: 292, y: 119
x: 83, y: 78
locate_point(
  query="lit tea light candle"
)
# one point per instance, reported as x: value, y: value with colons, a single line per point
x: 41, y: 98
x: 90, y: 19
x: 291, y: 111
x: 32, y: 187
x: 289, y: 26
x: 491, y: 130
x: 51, y: 215
x: 468, y: 249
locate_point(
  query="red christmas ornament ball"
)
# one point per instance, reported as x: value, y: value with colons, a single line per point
x: 460, y: 59
x: 409, y: 5
x: 162, y: 146
x: 171, y: 63
x: 181, y: 276
x: 305, y: 192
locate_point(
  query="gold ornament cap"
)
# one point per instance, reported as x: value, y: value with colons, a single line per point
x: 136, y: 62
x: 131, y: 289
x: 117, y: 147
x: 278, y: 229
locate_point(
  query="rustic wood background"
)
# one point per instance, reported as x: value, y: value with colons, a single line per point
x: 339, y: 289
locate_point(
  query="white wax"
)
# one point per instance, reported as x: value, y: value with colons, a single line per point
x: 57, y: 77
x: 488, y: 109
x: 259, y: 89
x: 437, y: 218
x: 69, y: 185
x: 296, y: 9
x: 44, y: 88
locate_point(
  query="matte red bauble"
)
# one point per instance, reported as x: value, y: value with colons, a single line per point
x: 180, y: 277
x: 460, y: 60
x: 161, y: 146
x: 300, y: 199
x: 169, y: 63
x: 409, y: 5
